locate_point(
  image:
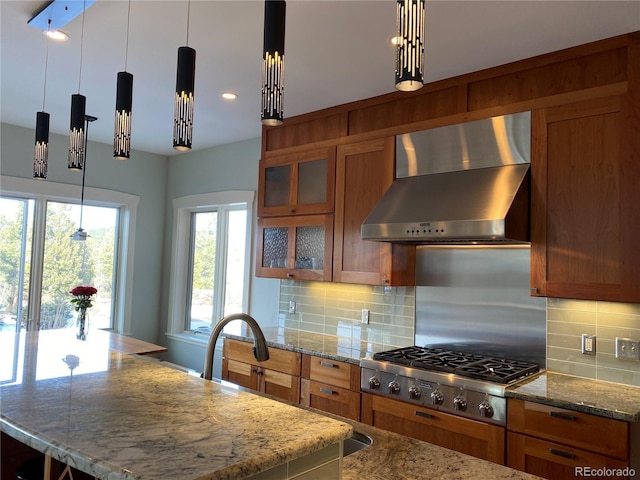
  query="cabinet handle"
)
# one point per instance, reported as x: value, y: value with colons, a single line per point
x: 326, y: 390
x: 423, y: 414
x: 534, y: 290
x: 563, y: 416
x: 561, y: 453
x: 328, y: 364
x: 289, y: 275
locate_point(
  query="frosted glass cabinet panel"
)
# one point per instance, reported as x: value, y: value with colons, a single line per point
x: 297, y: 183
x: 295, y: 247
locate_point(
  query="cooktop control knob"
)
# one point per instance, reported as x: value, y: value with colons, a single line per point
x: 486, y: 410
x: 374, y: 383
x: 414, y: 392
x: 460, y: 403
x: 394, y: 387
x: 436, y: 397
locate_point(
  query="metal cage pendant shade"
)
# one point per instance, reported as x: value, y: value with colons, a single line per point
x: 41, y: 148
x: 410, y: 44
x: 273, y: 62
x: 77, y: 132
x: 184, y: 101
x: 122, y: 130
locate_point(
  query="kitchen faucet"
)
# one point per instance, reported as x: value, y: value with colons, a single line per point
x: 260, y: 350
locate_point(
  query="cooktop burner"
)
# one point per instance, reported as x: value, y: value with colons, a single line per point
x: 465, y: 364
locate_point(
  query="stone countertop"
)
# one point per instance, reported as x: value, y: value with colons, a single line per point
x: 403, y: 458
x: 119, y: 416
x: 606, y: 399
x: 327, y: 346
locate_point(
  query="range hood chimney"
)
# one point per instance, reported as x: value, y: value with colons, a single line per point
x: 460, y: 184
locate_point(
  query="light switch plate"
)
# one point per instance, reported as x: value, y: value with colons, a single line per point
x: 292, y: 307
x: 628, y: 349
x: 588, y: 344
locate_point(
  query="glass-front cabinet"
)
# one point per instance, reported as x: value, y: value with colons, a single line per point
x: 295, y: 247
x: 297, y: 183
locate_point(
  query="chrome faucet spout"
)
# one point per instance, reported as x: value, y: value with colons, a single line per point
x: 260, y: 349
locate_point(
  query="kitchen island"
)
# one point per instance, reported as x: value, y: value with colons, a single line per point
x: 117, y: 416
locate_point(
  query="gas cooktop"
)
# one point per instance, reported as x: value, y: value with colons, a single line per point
x: 470, y: 365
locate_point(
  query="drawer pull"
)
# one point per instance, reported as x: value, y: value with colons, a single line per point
x: 423, y: 414
x: 561, y: 453
x: 326, y: 390
x: 563, y: 416
x: 328, y: 364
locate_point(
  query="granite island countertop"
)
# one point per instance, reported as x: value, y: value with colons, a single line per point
x: 118, y: 416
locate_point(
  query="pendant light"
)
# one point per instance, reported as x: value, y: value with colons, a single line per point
x: 41, y: 147
x: 80, y: 234
x: 410, y: 45
x: 184, y: 99
x: 273, y: 62
x: 124, y: 101
x: 77, y: 139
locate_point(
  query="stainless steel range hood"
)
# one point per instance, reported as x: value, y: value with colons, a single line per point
x: 461, y: 184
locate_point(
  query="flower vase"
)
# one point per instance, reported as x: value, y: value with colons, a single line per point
x: 82, y: 324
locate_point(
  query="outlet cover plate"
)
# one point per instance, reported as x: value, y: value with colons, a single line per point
x: 588, y: 344
x: 627, y: 349
x: 365, y: 316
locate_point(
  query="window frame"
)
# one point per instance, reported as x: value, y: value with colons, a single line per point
x: 41, y: 193
x: 183, y: 208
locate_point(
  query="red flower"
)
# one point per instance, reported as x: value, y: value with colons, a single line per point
x: 84, y: 291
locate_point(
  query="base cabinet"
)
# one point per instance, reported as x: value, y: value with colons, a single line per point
x: 474, y: 438
x: 556, y: 443
x: 279, y: 376
x: 331, y: 386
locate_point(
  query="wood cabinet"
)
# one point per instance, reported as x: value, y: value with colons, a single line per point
x: 364, y: 171
x: 552, y: 442
x: 585, y: 203
x: 330, y: 386
x: 464, y: 435
x: 298, y: 248
x: 279, y: 376
x: 299, y: 183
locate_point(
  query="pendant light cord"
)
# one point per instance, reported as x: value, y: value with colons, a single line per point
x: 126, y: 52
x: 84, y: 7
x: 188, y: 18
x: 46, y: 65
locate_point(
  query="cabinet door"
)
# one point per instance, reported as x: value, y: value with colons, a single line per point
x: 464, y: 435
x: 298, y: 248
x: 240, y: 373
x: 278, y: 384
x: 364, y: 171
x: 297, y: 184
x: 555, y: 461
x: 584, y: 203
x: 330, y: 398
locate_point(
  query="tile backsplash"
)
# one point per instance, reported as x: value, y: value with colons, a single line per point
x: 567, y: 320
x: 336, y: 309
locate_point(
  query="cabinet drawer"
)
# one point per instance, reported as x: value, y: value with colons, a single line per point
x: 323, y: 370
x: 279, y: 360
x: 589, y: 432
x: 553, y: 460
x: 330, y: 398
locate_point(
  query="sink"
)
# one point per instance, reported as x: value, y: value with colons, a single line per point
x: 356, y: 442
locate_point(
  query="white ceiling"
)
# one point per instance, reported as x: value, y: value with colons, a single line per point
x: 336, y: 52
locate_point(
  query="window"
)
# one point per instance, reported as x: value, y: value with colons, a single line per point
x: 40, y: 263
x: 211, y: 260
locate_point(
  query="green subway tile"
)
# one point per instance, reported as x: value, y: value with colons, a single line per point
x: 572, y: 368
x: 577, y: 329
x: 621, y: 308
x: 572, y: 316
x: 618, y: 320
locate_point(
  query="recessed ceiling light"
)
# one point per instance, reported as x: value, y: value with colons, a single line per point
x: 58, y: 35
x: 229, y: 95
x: 394, y: 40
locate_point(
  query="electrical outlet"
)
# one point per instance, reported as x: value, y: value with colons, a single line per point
x: 627, y: 349
x: 364, y: 318
x: 588, y: 344
x: 292, y: 307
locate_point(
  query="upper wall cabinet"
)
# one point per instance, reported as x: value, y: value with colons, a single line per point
x: 364, y: 172
x: 297, y: 183
x: 585, y: 202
